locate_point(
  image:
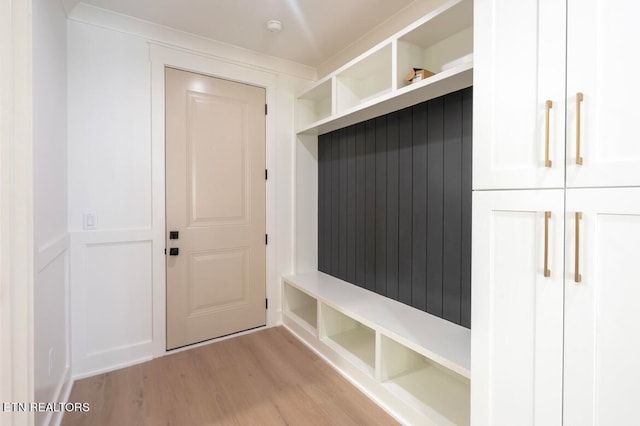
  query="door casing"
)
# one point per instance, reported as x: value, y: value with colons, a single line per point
x: 161, y: 57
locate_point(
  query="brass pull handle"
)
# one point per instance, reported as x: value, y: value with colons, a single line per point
x: 547, y: 271
x: 579, y: 99
x: 578, y: 276
x: 547, y: 161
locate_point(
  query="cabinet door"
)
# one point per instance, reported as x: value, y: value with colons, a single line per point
x: 519, y: 65
x: 516, y: 344
x: 602, y: 329
x: 601, y: 64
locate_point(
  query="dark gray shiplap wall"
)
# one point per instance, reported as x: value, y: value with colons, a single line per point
x: 394, y: 205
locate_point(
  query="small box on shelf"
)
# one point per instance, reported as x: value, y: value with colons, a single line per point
x: 418, y: 74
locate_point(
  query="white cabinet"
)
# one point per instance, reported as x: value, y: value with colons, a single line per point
x: 602, y: 330
x: 601, y: 64
x: 558, y: 349
x: 523, y: 52
x: 519, y: 57
x: 517, y: 296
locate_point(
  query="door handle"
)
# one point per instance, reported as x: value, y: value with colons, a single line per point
x: 578, y: 276
x: 174, y: 251
x: 547, y: 161
x: 547, y: 271
x: 579, y: 99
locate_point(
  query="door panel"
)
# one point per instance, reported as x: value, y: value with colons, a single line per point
x: 602, y: 331
x: 517, y: 316
x: 217, y: 164
x: 519, y: 65
x: 600, y: 65
x: 215, y: 161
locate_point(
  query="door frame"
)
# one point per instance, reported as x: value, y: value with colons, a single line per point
x: 16, y: 210
x: 162, y: 56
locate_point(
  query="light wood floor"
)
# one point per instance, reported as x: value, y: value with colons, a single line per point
x: 263, y: 378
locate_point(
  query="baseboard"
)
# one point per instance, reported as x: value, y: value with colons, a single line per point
x: 110, y: 368
x: 63, y: 390
x: 65, y: 393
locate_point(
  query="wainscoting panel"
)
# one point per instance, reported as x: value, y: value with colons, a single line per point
x: 112, y: 293
x: 394, y: 205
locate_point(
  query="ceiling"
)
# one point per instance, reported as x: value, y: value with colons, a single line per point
x: 312, y: 30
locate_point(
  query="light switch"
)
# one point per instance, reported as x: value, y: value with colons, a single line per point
x: 89, y: 220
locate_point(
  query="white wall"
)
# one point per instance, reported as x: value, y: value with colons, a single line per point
x: 51, y: 242
x: 114, y: 172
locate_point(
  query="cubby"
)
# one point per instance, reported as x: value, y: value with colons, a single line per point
x: 365, y: 80
x: 373, y: 84
x: 354, y: 339
x: 407, y: 359
x: 439, y: 393
x: 315, y: 104
x: 301, y: 306
x: 442, y: 41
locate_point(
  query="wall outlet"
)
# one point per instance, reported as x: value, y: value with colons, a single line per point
x: 89, y: 220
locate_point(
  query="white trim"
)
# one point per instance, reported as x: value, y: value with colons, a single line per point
x: 88, y: 363
x: 50, y: 252
x: 93, y: 15
x: 63, y: 396
x: 16, y: 209
x: 162, y: 56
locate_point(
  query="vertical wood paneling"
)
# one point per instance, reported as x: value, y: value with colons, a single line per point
x: 465, y: 267
x: 370, y: 217
x: 342, y: 270
x: 435, y: 197
x: 419, y: 220
x: 361, y: 180
x: 452, y: 207
x: 322, y: 189
x: 394, y: 207
x: 351, y: 205
x: 405, y: 204
x: 381, y: 206
x: 335, y: 203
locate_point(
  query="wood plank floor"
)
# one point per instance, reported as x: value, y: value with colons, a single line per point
x: 263, y: 378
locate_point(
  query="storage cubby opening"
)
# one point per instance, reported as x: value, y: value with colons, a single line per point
x: 301, y: 305
x: 441, y: 43
x: 365, y: 80
x: 315, y: 104
x: 355, y: 338
x: 439, y: 393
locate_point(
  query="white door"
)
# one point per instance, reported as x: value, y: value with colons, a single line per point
x: 215, y: 192
x: 518, y: 94
x: 602, y: 65
x: 602, y: 328
x: 516, y: 344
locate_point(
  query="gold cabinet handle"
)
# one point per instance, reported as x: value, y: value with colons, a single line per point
x: 547, y: 271
x: 578, y: 276
x: 579, y: 99
x: 547, y: 161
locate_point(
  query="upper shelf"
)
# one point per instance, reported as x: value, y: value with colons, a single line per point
x: 373, y: 84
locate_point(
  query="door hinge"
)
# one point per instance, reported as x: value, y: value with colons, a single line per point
x: 165, y: 251
x: 266, y: 303
x: 266, y: 174
x: 266, y: 109
x: 266, y: 239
